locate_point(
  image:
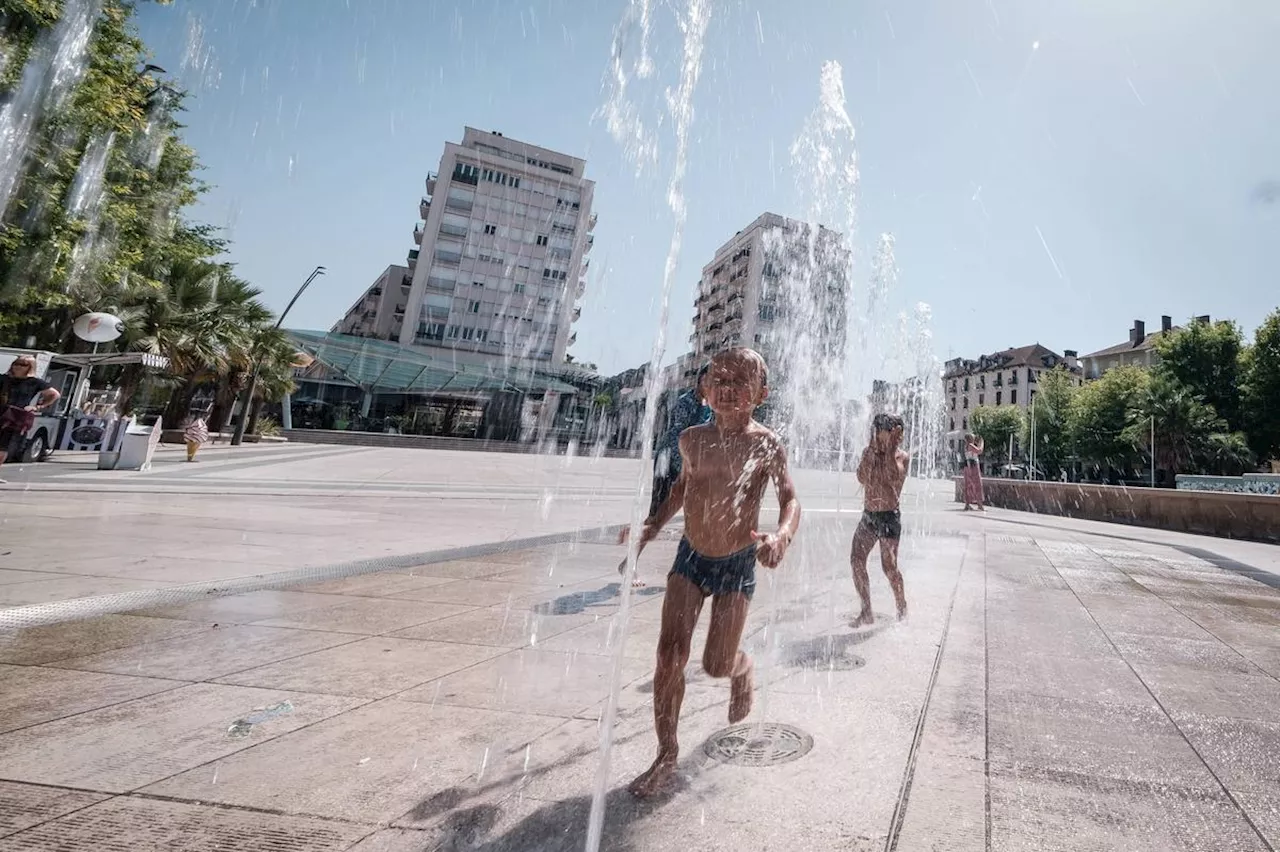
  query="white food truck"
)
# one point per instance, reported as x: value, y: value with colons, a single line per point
x: 82, y: 419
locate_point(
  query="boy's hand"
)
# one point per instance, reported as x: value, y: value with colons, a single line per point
x: 770, y: 548
x: 648, y: 532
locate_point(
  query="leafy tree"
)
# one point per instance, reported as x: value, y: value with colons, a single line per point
x: 1205, y: 359
x: 1261, y: 388
x: 1052, y: 417
x: 1188, y: 432
x: 1100, y: 418
x: 997, y: 425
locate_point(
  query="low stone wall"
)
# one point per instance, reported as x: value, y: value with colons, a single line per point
x: 1255, y: 517
x: 427, y: 442
x: 1250, y: 483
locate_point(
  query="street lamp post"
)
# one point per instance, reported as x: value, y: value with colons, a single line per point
x: 238, y: 435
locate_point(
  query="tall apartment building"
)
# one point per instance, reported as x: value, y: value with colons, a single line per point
x: 502, y: 254
x: 743, y: 298
x: 1008, y: 377
x: 379, y: 312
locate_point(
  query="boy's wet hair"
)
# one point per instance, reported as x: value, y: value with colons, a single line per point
x: 746, y: 353
x: 884, y: 422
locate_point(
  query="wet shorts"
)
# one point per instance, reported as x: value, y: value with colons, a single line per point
x: 882, y: 524
x: 718, y: 575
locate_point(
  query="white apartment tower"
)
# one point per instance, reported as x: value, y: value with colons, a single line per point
x: 750, y: 294
x: 502, y: 255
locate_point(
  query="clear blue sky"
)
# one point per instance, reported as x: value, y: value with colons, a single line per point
x: 1134, y: 138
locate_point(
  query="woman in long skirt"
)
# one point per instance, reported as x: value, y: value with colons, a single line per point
x: 196, y: 434
x: 973, y: 447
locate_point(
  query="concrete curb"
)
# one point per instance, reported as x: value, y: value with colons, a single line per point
x: 79, y: 609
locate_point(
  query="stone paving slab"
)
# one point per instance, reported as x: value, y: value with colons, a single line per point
x: 126, y: 746
x: 149, y: 825
x: 1038, y: 673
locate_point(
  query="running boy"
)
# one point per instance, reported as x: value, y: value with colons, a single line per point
x: 882, y: 472
x: 727, y: 466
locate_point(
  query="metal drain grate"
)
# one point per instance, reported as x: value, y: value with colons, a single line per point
x: 768, y: 744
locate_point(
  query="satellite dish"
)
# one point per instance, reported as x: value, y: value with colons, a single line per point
x: 98, y: 327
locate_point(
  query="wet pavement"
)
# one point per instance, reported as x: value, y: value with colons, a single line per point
x: 1059, y: 686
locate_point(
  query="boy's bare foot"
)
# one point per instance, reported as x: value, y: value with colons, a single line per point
x: 741, y: 693
x: 656, y: 779
x: 864, y: 619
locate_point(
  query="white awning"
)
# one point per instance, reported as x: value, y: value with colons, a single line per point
x: 102, y: 359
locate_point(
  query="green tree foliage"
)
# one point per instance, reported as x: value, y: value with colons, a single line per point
x: 1052, y: 415
x: 134, y: 254
x: 1204, y: 358
x: 995, y: 426
x: 1100, y: 414
x: 1260, y: 367
x: 1188, y: 433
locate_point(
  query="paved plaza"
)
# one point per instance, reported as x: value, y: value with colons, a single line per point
x: 1060, y: 685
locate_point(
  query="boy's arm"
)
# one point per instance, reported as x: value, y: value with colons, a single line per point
x: 669, y: 507
x: 864, y: 466
x: 904, y: 466
x: 788, y: 502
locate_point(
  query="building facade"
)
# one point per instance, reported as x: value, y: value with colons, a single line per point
x: 502, y: 252
x: 379, y: 312
x: 774, y: 273
x: 1002, y: 378
x: 1138, y: 351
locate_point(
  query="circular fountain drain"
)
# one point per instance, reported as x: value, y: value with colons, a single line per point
x: 758, y: 745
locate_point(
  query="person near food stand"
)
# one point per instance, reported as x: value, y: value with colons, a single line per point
x: 22, y: 394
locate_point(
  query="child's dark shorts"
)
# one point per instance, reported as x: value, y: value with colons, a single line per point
x: 717, y: 575
x: 883, y: 524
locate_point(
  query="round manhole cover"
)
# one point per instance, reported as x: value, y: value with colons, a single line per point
x: 759, y: 745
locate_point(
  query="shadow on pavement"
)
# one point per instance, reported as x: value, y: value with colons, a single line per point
x: 555, y: 827
x: 574, y: 603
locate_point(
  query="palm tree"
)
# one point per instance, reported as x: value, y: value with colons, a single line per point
x: 1188, y: 431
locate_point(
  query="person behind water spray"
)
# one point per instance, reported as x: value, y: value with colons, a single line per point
x: 690, y: 409
x: 727, y: 464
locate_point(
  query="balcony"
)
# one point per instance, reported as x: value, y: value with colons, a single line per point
x: 452, y: 258
x: 718, y: 307
x: 573, y: 338
x: 453, y: 230
x: 413, y: 258
x: 591, y: 223
x: 424, y: 208
x: 577, y: 313
x: 417, y: 234
x: 431, y: 183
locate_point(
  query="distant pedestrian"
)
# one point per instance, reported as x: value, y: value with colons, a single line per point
x: 973, y: 447
x: 22, y: 394
x: 196, y: 434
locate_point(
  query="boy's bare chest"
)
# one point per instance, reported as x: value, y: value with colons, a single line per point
x: 740, y: 463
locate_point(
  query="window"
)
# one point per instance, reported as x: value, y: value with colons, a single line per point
x: 964, y: 423
x: 982, y: 399
x: 999, y: 394
x: 454, y: 225
x: 519, y: 288
x: 491, y: 229
x: 953, y: 403
x: 466, y: 173
x: 452, y: 334
x: 953, y: 428
x: 966, y: 385
x: 966, y: 402
x: 460, y: 199
x: 1013, y: 397
x: 477, y: 283
x: 482, y: 334
x: 1031, y: 375
x: 474, y: 307
x: 542, y: 239
x: 468, y: 334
